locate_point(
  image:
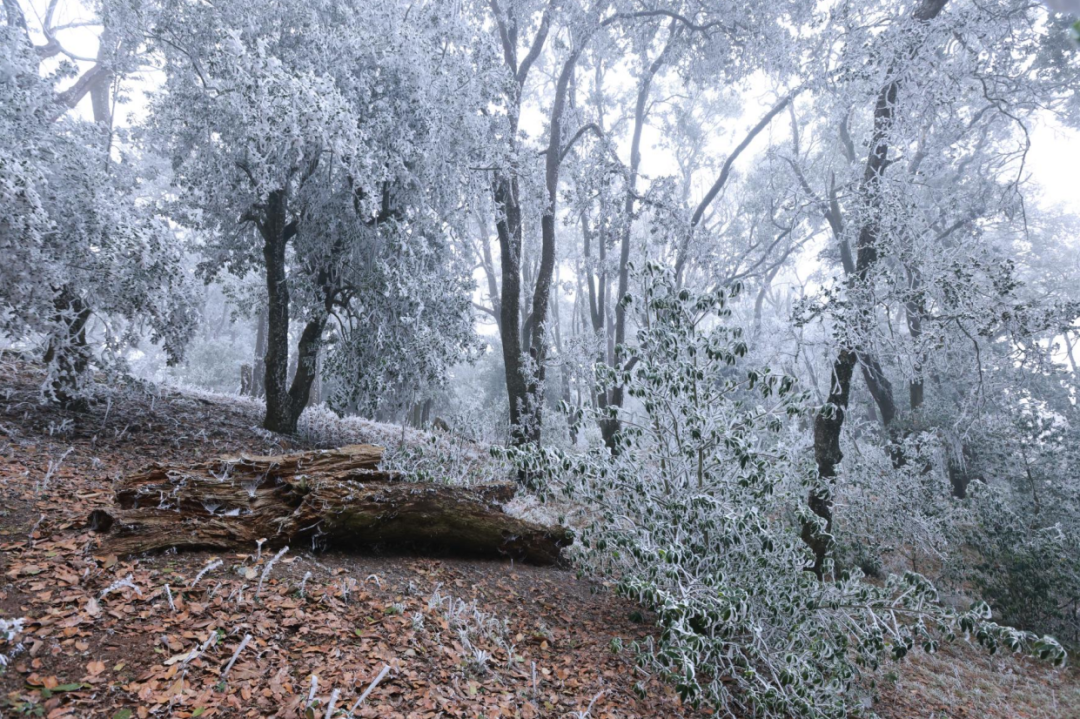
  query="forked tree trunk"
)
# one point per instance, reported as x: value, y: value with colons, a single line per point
x: 333, y: 498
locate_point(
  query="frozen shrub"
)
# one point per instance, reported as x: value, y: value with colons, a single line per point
x: 445, y: 458
x: 697, y: 515
x: 1028, y: 572
x: 9, y: 633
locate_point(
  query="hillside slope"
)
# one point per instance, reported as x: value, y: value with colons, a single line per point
x: 154, y: 636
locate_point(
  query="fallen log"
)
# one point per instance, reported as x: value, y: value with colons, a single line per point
x: 333, y: 498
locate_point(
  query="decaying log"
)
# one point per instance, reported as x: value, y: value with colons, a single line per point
x: 332, y: 498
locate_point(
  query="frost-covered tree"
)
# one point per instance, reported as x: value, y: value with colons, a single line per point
x: 88, y: 265
x: 312, y: 140
x: 943, y: 95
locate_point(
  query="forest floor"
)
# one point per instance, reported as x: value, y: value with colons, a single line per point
x: 461, y: 638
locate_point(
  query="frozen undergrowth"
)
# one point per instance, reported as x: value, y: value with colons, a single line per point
x: 9, y: 634
x: 698, y: 516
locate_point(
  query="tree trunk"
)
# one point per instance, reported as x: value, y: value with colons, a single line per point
x: 68, y: 355
x: 609, y: 425
x: 333, y: 498
x: 307, y: 365
x: 536, y: 332
x: 508, y: 227
x: 830, y: 418
x: 827, y: 425
x: 279, y: 414
x: 508, y: 218
x: 258, y: 372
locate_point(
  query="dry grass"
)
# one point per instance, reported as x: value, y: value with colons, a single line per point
x: 964, y: 682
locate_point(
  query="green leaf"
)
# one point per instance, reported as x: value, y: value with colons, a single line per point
x: 198, y: 712
x: 67, y: 688
x: 124, y: 713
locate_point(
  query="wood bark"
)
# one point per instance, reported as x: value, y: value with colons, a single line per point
x: 279, y: 415
x: 535, y: 330
x: 508, y: 227
x: 287, y: 397
x: 829, y: 420
x: 333, y: 498
x: 505, y: 192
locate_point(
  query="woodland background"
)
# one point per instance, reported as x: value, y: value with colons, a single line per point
x: 777, y: 304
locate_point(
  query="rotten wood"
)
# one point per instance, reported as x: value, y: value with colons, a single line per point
x: 336, y: 498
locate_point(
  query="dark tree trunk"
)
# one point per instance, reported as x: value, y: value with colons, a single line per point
x: 508, y: 222
x: 829, y: 421
x: 307, y: 365
x: 315, y: 396
x: 334, y: 498
x: 880, y: 387
x: 68, y: 354
x: 279, y: 411
x: 536, y: 331
x: 827, y: 425
x: 508, y: 228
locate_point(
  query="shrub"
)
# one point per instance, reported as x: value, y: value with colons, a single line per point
x: 697, y: 515
x: 1029, y: 573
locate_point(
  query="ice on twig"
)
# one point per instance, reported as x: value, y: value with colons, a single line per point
x: 374, y: 683
x: 269, y: 566
x: 330, y: 704
x: 168, y: 595
x: 208, y: 568
x: 128, y: 581
x: 236, y: 655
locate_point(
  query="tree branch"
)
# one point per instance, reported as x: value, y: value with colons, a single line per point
x: 725, y: 171
x: 592, y: 126
x: 522, y: 71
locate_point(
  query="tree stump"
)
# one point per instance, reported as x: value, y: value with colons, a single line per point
x: 333, y: 498
x: 247, y: 387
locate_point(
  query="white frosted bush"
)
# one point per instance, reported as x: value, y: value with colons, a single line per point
x: 698, y: 516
